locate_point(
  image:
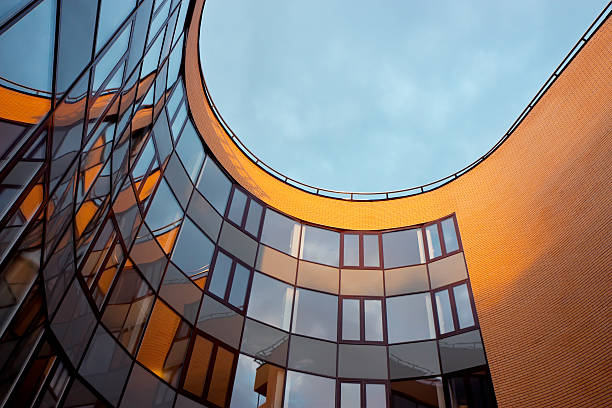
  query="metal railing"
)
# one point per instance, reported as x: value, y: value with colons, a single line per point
x: 383, y: 195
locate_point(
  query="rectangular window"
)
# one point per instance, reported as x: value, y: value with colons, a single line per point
x: 454, y: 309
x: 403, y: 248
x: 441, y: 237
x: 361, y: 394
x: 410, y: 318
x: 270, y: 301
x: 229, y: 280
x: 281, y: 233
x: 245, y: 212
x: 361, y: 250
x: 320, y: 245
x: 362, y: 320
x: 315, y: 314
x: 351, y: 250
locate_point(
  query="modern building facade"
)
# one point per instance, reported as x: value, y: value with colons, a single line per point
x: 150, y: 260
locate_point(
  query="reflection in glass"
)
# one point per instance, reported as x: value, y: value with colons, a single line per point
x: 351, y: 250
x: 450, y: 235
x: 320, y: 245
x: 410, y: 318
x: 464, y: 306
x: 315, y: 314
x: 376, y: 395
x: 240, y: 282
x: 220, y: 275
x: 193, y: 250
x: 401, y: 248
x: 220, y: 321
x: 264, y: 342
x: 256, y: 384
x: 350, y: 395
x: 214, y: 185
x: 237, y: 207
x: 373, y: 320
x: 221, y: 375
x: 445, y: 313
x: 350, y: 319
x: 427, y: 392
x: 145, y: 390
x: 190, y: 150
x: 270, y: 301
x: 307, y: 391
x: 314, y: 356
x: 253, y: 218
x: 281, y: 233
x: 433, y: 241
x: 371, y: 254
x: 112, y: 14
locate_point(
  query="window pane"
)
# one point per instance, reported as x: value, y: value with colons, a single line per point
x: 350, y: 319
x: 253, y: 218
x: 371, y: 255
x: 220, y: 275
x: 112, y: 14
x: 264, y: 342
x: 373, y: 320
x: 281, y: 233
x: 239, y: 286
x: 464, y: 306
x: 237, y: 207
x: 410, y: 318
x: 376, y: 396
x: 350, y: 395
x: 305, y: 390
x: 445, y: 314
x: 220, y: 321
x: 193, y: 251
x: 315, y: 356
x: 433, y: 241
x: 214, y: 185
x: 256, y: 383
x: 450, y: 235
x: 222, y: 372
x: 351, y: 250
x: 190, y: 150
x: 315, y: 314
x: 401, y: 248
x: 320, y: 245
x: 270, y: 301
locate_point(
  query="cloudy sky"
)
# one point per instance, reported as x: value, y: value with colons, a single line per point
x: 370, y: 96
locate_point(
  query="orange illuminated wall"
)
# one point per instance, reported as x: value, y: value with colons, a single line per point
x: 535, y: 219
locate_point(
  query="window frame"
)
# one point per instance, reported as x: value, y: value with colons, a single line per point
x: 453, y: 305
x: 362, y: 388
x: 438, y: 223
x: 230, y: 281
x: 361, y: 235
x: 245, y: 212
x: 362, y: 337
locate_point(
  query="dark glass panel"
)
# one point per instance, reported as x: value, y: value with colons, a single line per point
x: 371, y: 253
x: 79, y: 396
x: 445, y: 313
x: 180, y: 293
x: 305, y: 390
x: 418, y: 359
x: 281, y: 233
x: 270, y: 301
x: 362, y: 361
x: 410, y: 318
x: 351, y: 250
x: 221, y: 375
x: 164, y: 344
x: 472, y: 389
x: 236, y: 210
x: 312, y: 355
x: 193, y: 251
x: 253, y: 218
x: 149, y: 257
x: 320, y: 245
x: 350, y: 395
x: 238, y: 243
x: 462, y: 351
x: 143, y: 390
x: 164, y: 213
x: 264, y: 342
x: 106, y: 366
x: 464, y: 306
x: 26, y: 49
x: 450, y: 235
x: 401, y: 248
x: 191, y: 151
x: 178, y: 180
x: 128, y: 308
x: 214, y: 185
x: 220, y: 275
x: 315, y: 314
x: 220, y: 321
x: 203, y: 214
x: 351, y: 326
x: 424, y: 393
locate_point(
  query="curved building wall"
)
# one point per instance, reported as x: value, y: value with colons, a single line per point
x: 141, y: 267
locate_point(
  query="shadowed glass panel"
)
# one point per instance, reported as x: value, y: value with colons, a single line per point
x: 315, y: 314
x: 270, y: 301
x: 214, y: 185
x: 401, y: 248
x: 193, y: 251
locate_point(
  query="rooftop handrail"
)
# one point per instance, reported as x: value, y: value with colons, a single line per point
x: 382, y: 195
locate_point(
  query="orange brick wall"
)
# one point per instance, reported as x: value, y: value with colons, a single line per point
x: 536, y: 223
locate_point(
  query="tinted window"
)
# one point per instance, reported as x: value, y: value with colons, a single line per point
x: 373, y: 320
x: 220, y: 275
x: 371, y: 255
x: 281, y: 233
x: 193, y: 250
x: 305, y: 390
x: 270, y: 301
x: 410, y: 318
x: 320, y: 245
x: 237, y: 207
x: 253, y: 218
x: 351, y: 329
x: 376, y: 395
x: 450, y: 235
x: 214, y: 185
x: 401, y: 248
x: 350, y: 395
x: 445, y: 313
x: 315, y: 314
x: 433, y: 241
x: 351, y: 250
x: 464, y: 306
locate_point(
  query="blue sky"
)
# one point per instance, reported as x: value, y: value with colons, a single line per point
x: 370, y: 96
